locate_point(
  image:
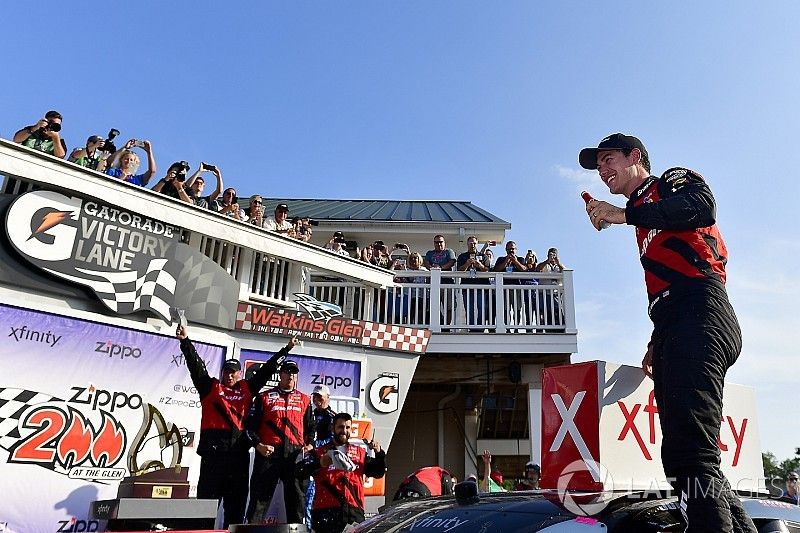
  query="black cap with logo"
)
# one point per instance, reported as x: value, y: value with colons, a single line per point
x: 232, y: 364
x: 615, y: 141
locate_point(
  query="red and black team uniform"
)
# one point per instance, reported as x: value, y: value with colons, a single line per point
x: 282, y: 419
x: 696, y: 337
x: 224, y: 446
x: 339, y: 497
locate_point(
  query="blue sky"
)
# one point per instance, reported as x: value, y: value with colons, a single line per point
x: 462, y: 100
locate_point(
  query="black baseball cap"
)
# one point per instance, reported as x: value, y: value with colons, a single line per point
x: 232, y: 364
x: 615, y: 141
x: 290, y: 367
x: 94, y: 139
x: 281, y: 207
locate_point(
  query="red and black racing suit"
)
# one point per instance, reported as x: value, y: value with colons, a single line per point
x: 224, y: 446
x: 282, y: 419
x: 339, y: 498
x: 696, y: 338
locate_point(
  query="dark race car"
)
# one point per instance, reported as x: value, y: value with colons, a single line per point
x: 553, y: 512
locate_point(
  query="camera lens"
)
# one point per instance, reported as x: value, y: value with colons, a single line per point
x: 54, y: 126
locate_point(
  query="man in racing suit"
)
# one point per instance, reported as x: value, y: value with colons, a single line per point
x: 283, y: 426
x: 224, y: 446
x: 696, y: 336
x: 338, y: 468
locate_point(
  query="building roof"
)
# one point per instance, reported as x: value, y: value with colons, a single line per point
x: 387, y: 210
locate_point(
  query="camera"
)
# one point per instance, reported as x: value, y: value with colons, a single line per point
x: 339, y: 240
x: 180, y: 170
x: 53, y: 126
x: 109, y: 146
x: 212, y: 168
x: 313, y: 222
x: 138, y: 144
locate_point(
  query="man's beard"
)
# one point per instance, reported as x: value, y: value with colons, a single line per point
x: 341, y: 439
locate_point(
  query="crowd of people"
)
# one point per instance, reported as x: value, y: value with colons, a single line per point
x: 101, y: 154
x: 301, y: 445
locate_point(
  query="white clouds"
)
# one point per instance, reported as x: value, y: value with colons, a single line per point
x: 586, y: 180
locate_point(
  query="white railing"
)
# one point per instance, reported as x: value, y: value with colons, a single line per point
x: 460, y: 302
x: 270, y: 268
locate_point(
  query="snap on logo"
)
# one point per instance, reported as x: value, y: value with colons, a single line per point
x: 117, y: 350
x: 333, y: 382
x: 384, y: 393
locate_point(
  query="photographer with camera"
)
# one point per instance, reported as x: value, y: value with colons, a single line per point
x: 172, y: 184
x: 44, y: 135
x: 124, y: 163
x: 301, y: 229
x: 228, y: 205
x: 336, y: 244
x: 90, y: 156
x: 196, y: 183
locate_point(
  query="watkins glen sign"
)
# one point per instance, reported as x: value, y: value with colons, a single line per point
x: 324, y: 322
x: 131, y: 262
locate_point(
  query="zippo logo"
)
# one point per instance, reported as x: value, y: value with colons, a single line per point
x: 74, y: 525
x: 384, y: 393
x: 113, y: 350
x: 332, y: 381
x: 103, y: 398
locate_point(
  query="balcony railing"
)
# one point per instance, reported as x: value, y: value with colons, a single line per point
x: 460, y: 302
x: 271, y: 268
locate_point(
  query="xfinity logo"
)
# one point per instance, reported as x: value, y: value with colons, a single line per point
x: 25, y: 334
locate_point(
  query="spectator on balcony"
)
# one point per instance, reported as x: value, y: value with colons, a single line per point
x: 44, y: 136
x: 301, y: 229
x: 552, y: 264
x: 90, y: 156
x: 515, y: 302
x: 444, y: 259
x: 228, y: 205
x: 488, y: 258
x: 124, y: 163
x: 195, y: 185
x: 279, y: 222
x: 255, y: 211
x: 172, y: 184
x: 380, y: 255
x: 365, y: 254
x: 417, y: 296
x: 469, y: 261
x: 550, y: 310
x: 336, y: 244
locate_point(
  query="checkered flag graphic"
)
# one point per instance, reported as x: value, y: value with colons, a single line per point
x: 316, y: 309
x: 128, y: 292
x: 390, y: 337
x: 207, y: 292
x: 13, y: 403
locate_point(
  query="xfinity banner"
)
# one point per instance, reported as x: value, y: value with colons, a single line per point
x: 83, y: 405
x: 131, y: 262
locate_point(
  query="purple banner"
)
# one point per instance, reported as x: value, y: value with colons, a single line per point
x: 82, y: 404
x: 343, y: 377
